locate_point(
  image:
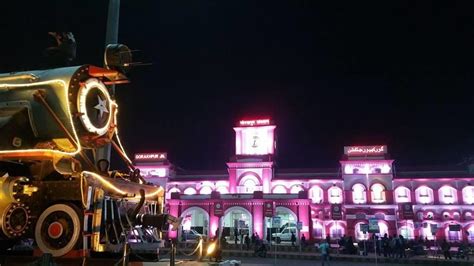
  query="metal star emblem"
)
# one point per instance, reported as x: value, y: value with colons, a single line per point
x: 101, y: 106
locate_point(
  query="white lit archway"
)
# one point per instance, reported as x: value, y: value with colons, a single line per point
x: 279, y: 189
x: 205, y: 190
x: 402, y: 195
x: 287, y: 216
x: 189, y: 191
x: 239, y: 218
x: 316, y: 194
x: 296, y: 188
x: 335, y: 195
x: 448, y: 195
x: 195, y: 218
x: 359, y: 195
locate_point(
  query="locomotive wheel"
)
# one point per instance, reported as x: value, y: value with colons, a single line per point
x: 58, y: 229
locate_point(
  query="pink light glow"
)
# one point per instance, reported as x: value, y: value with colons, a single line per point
x: 258, y: 220
x: 367, y: 168
x: 214, y: 225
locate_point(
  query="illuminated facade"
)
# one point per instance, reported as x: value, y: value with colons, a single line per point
x: 415, y: 203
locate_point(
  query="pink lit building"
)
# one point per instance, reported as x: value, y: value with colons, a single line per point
x: 430, y: 203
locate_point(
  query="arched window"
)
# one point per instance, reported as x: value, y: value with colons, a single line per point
x: 407, y: 231
x: 446, y: 216
x: 468, y: 216
x: 470, y: 232
x: 424, y: 195
x: 383, y: 228
x: 359, y: 234
x: 279, y: 189
x: 249, y: 184
x: 318, y: 230
x: 172, y: 190
x: 316, y: 194
x: 358, y: 194
x: 453, y: 236
x: 189, y: 191
x: 456, y: 216
x: 402, y: 195
x: 295, y: 189
x: 378, y: 193
x: 447, y: 195
x: 427, y: 230
x: 336, y: 230
x: 205, y: 190
x: 222, y: 190
x: 335, y: 195
x: 468, y: 194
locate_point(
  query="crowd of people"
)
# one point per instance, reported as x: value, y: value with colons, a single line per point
x: 395, y: 246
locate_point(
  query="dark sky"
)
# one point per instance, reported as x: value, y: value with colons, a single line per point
x: 398, y: 73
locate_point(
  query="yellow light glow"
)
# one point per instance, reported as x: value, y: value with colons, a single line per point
x: 211, y: 248
x: 47, y: 151
x: 81, y: 103
x: 111, y: 186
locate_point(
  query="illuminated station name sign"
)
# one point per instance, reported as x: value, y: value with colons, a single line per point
x: 365, y: 150
x: 151, y: 156
x: 255, y: 122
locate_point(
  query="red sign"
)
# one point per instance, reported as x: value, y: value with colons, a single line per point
x: 336, y: 212
x: 365, y: 150
x: 268, y: 209
x: 406, y: 211
x: 160, y: 156
x: 218, y: 209
x: 256, y: 122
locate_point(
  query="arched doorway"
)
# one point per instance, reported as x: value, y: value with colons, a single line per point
x: 236, y: 220
x: 288, y: 219
x: 195, y: 222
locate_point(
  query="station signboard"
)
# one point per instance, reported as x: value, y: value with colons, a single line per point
x: 336, y: 211
x: 374, y: 226
x: 276, y: 222
x: 218, y: 209
x: 268, y: 209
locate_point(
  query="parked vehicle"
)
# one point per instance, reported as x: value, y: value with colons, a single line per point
x: 191, y: 235
x: 284, y: 235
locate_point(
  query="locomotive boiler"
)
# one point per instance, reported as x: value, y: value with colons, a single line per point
x: 51, y: 122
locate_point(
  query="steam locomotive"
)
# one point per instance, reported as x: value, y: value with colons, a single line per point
x: 51, y: 123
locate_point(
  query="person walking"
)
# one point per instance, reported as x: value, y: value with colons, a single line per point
x: 445, y: 247
x: 324, y: 248
x: 236, y: 235
x: 303, y: 241
x: 293, y: 239
x: 247, y: 241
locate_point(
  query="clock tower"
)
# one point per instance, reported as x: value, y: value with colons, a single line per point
x: 251, y: 169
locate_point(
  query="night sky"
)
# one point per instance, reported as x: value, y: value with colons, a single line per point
x: 399, y: 74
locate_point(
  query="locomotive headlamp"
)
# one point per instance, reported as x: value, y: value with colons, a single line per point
x: 95, y: 105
